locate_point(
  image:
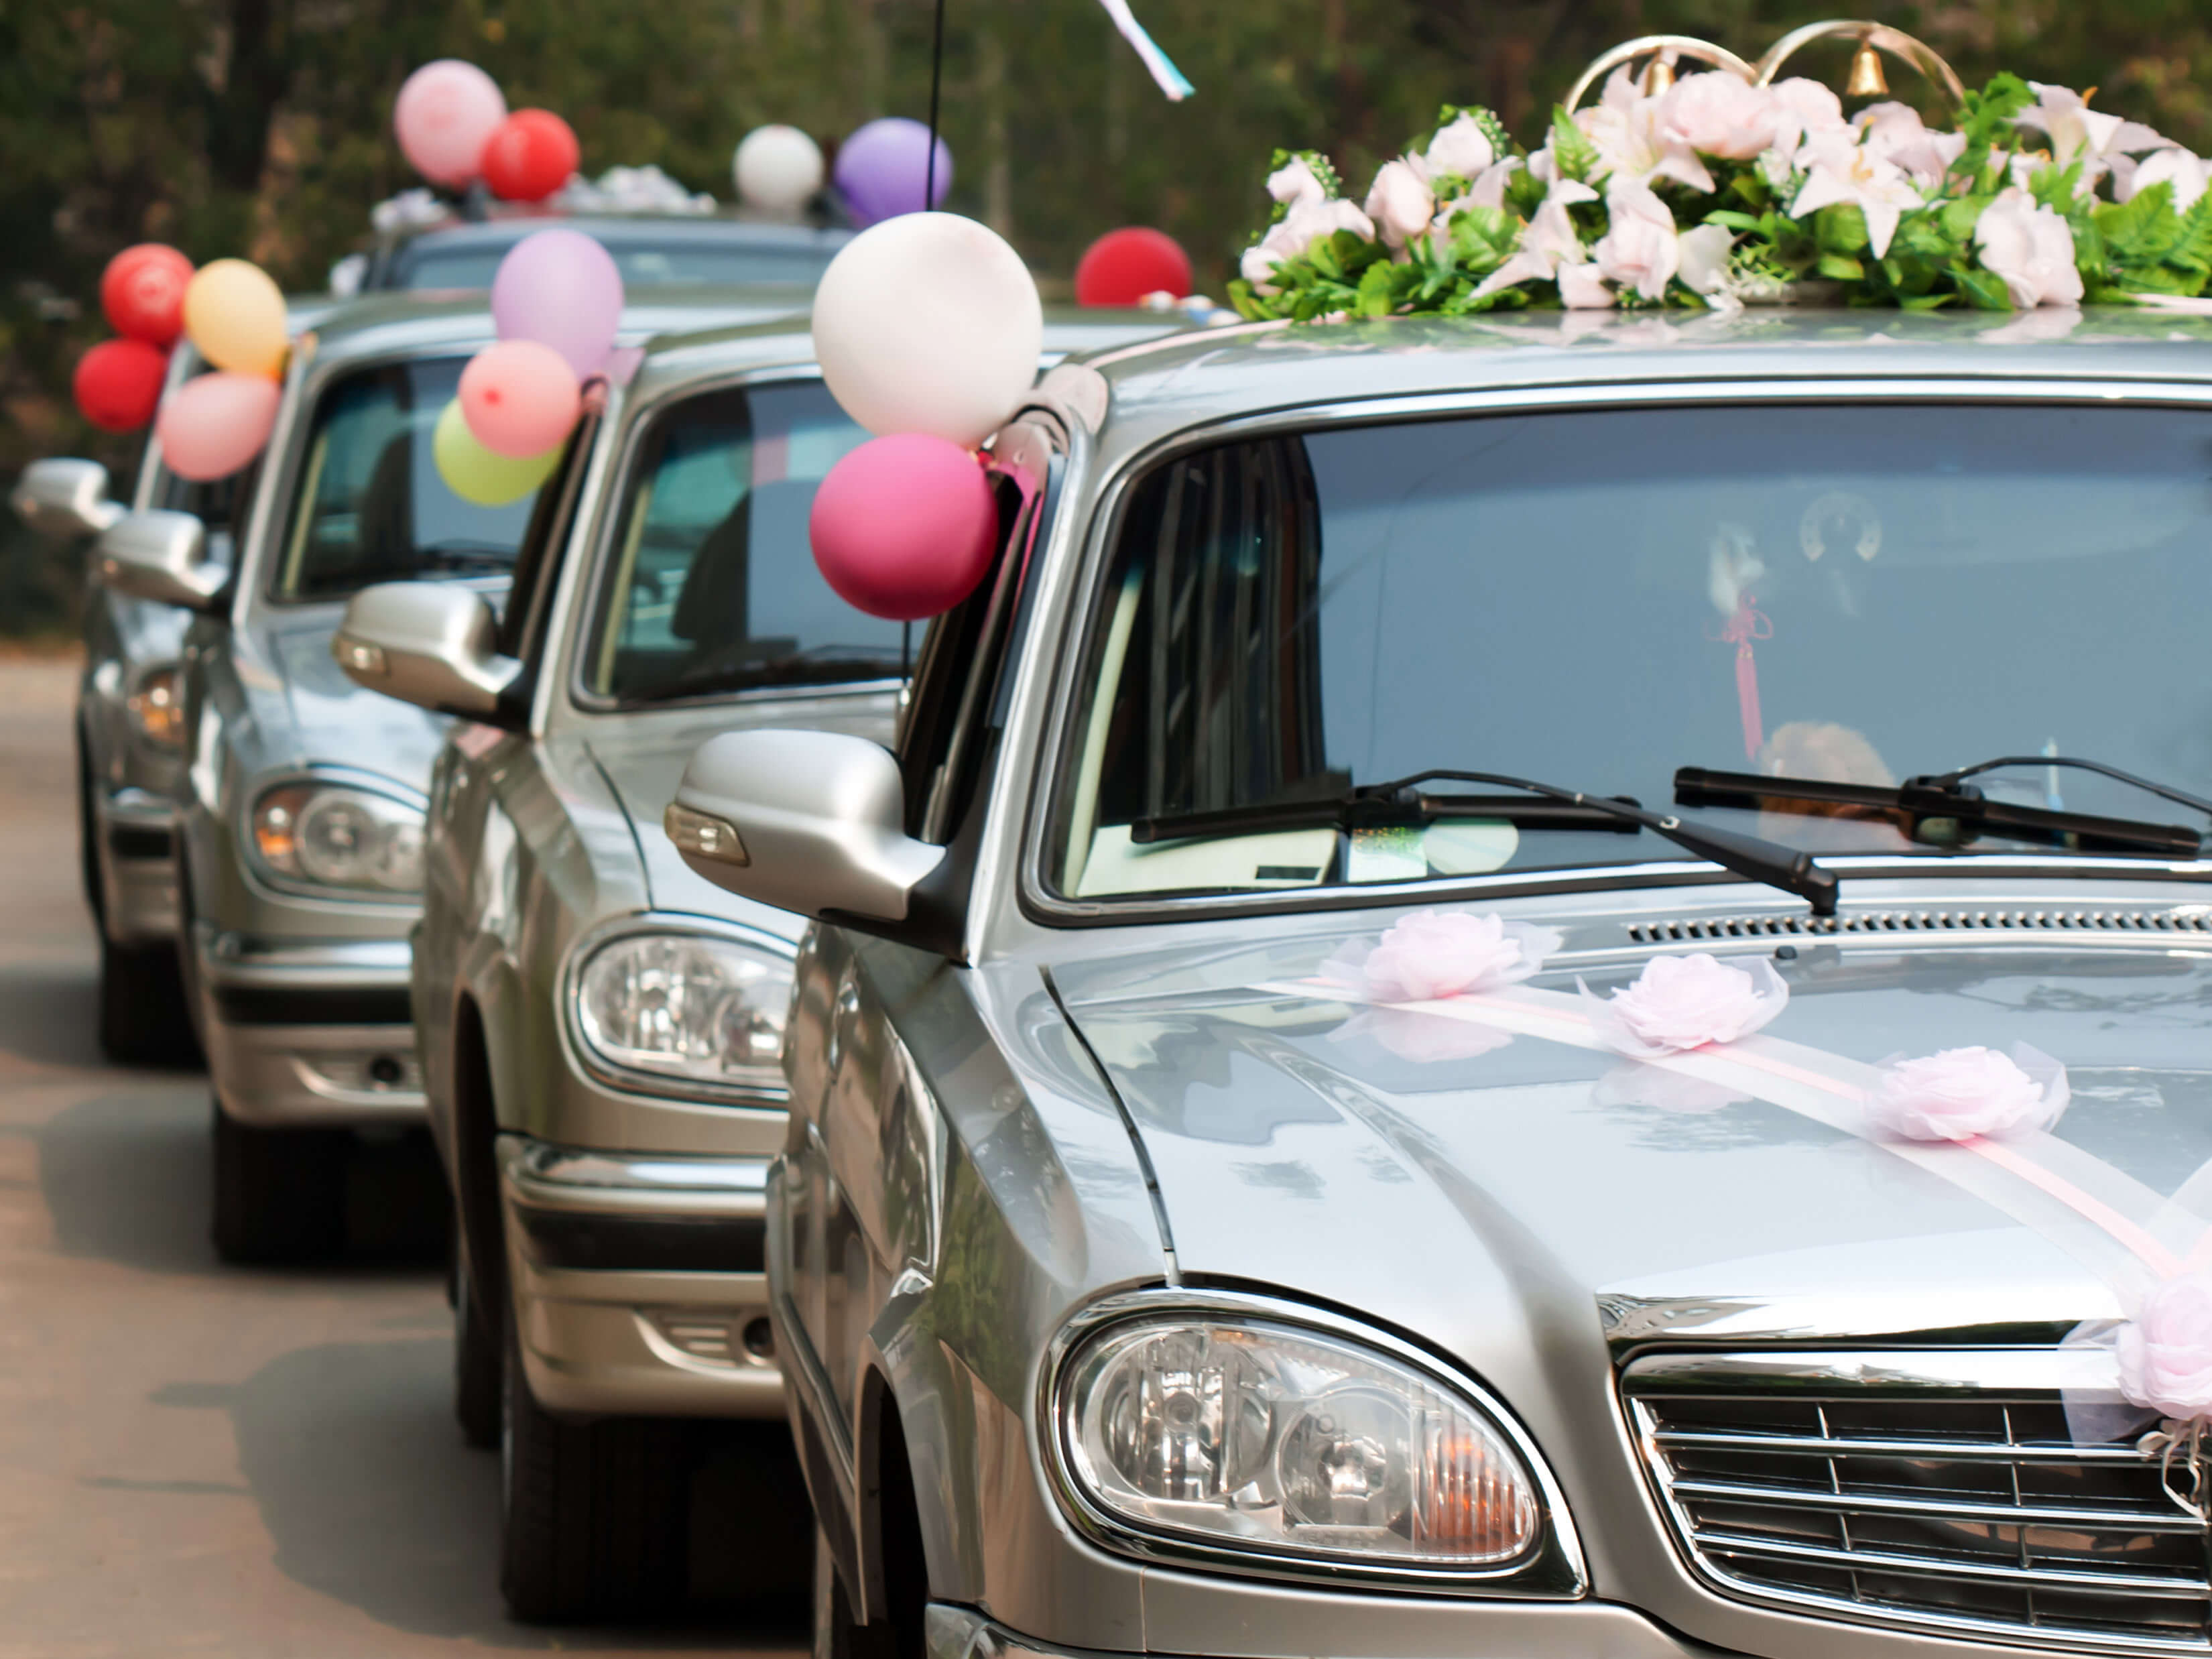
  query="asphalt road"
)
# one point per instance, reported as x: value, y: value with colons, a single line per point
x: 194, y: 1459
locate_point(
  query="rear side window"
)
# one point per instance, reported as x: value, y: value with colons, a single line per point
x: 711, y: 587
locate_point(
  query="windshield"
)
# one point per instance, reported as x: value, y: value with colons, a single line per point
x: 370, y: 506
x: 1858, y: 593
x: 687, y: 260
x: 712, y: 587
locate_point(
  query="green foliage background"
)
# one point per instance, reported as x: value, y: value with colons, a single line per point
x: 261, y: 126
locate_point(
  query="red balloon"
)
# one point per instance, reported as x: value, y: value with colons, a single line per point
x: 532, y: 155
x: 1124, y: 265
x: 119, y: 384
x: 143, y: 292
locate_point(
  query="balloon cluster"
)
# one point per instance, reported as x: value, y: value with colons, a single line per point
x: 557, y: 302
x: 928, y: 328
x: 453, y: 125
x: 883, y: 169
x: 232, y: 312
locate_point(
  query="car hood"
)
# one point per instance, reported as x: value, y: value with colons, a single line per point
x: 1297, y: 1145
x: 325, y: 719
x: 644, y: 755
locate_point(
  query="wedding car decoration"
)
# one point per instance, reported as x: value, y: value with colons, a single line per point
x: 1127, y: 267
x: 1681, y: 1003
x: 777, y: 169
x: 455, y: 129
x: 928, y: 327
x: 1729, y: 186
x: 892, y: 166
x: 118, y: 383
x: 1957, y: 1094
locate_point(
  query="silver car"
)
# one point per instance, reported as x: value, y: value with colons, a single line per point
x: 1214, y: 1221
x: 299, y: 804
x: 599, y: 1028
x: 130, y: 732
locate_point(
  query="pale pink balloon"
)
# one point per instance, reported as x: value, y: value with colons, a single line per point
x: 903, y: 526
x: 446, y: 111
x: 520, y: 397
x: 213, y: 426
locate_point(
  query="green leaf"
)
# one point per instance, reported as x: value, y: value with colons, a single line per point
x: 1744, y: 221
x: 1378, y: 291
x: 1984, y: 291
x: 1524, y: 192
x: 1840, y: 267
x: 1573, y: 151
x: 1840, y: 228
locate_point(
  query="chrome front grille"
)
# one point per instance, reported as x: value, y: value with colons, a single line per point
x: 1925, y: 1489
x: 2195, y: 919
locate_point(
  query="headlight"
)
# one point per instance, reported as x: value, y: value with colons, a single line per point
x: 157, y: 707
x: 330, y: 836
x: 686, y: 1006
x: 1272, y: 1440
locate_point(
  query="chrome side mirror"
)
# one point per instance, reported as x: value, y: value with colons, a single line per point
x: 64, y: 499
x: 432, y: 644
x: 161, y: 557
x: 813, y: 822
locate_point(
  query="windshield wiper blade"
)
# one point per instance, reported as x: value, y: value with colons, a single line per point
x: 1402, y: 802
x: 1941, y: 813
x: 2163, y: 791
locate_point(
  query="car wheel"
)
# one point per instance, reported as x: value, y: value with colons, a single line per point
x: 478, y: 1363
x: 87, y: 829
x: 279, y: 1194
x: 596, y: 1516
x: 143, y: 1019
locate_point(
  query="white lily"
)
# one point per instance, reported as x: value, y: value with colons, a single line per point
x: 1633, y: 142
x: 1547, y: 241
x: 2101, y: 142
x: 1839, y: 169
x: 1306, y: 222
x: 1295, y: 183
x: 2188, y: 174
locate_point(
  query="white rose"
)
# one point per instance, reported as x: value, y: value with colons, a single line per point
x: 1462, y: 148
x: 2188, y: 174
x: 1294, y: 183
x: 1583, y: 288
x: 1306, y: 222
x: 1816, y: 107
x: 1401, y: 204
x: 2029, y: 247
x: 1719, y: 115
x: 1640, y: 250
x: 1703, y: 257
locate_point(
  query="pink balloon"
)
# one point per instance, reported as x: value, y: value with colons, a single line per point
x: 212, y: 426
x: 562, y: 289
x: 519, y: 399
x: 445, y: 114
x: 903, y: 526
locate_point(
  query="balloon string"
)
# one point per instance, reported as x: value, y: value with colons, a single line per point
x: 936, y: 87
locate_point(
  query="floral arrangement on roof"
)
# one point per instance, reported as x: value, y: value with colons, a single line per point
x: 1718, y: 192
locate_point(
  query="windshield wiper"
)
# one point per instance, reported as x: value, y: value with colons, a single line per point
x: 1943, y: 811
x: 1402, y: 803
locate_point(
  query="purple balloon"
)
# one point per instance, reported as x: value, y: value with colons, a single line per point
x: 560, y: 288
x: 882, y: 169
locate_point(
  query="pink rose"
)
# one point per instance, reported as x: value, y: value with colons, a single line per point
x: 2166, y: 1355
x: 1400, y: 203
x: 1640, y: 249
x: 1959, y: 1093
x: 1719, y: 114
x: 1444, y: 953
x: 1680, y: 1003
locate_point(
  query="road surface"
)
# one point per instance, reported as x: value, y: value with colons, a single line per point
x: 194, y: 1459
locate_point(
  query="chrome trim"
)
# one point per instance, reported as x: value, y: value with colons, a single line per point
x: 589, y: 1062
x: 547, y: 1177
x: 1553, y: 1570
x: 233, y: 958
x: 1818, y: 1379
x: 1038, y: 902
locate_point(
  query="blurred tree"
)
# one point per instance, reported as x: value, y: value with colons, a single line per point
x: 261, y: 126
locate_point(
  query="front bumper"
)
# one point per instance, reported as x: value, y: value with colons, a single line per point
x: 1354, y: 1627
x: 135, y: 841
x: 639, y: 1282
x: 307, y: 1034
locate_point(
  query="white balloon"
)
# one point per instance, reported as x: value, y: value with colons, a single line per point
x: 777, y: 168
x: 928, y: 323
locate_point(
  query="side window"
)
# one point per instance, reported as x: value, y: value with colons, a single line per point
x: 710, y: 586
x: 538, y: 562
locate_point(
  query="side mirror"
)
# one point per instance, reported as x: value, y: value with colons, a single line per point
x: 813, y: 822
x: 161, y: 557
x: 432, y: 644
x: 64, y: 499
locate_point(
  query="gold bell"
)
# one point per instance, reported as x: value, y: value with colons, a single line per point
x: 1867, y: 79
x: 1658, y: 75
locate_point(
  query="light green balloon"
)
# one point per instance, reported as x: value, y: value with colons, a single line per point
x: 477, y: 474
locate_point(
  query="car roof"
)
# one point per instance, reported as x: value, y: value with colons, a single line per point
x: 405, y: 323
x: 659, y: 229
x: 1158, y: 386
x: 680, y: 357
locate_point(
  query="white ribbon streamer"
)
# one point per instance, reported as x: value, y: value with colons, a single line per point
x: 1170, y: 79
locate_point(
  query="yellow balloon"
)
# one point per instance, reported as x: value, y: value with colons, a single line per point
x: 479, y: 474
x: 235, y: 313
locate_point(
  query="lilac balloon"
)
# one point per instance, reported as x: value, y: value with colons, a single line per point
x: 882, y: 168
x: 560, y: 288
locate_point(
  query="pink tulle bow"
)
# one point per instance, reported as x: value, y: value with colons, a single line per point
x: 1685, y: 1002
x: 2165, y: 1351
x: 1957, y: 1094
x: 1442, y: 953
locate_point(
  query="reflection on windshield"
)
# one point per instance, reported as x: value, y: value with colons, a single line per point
x: 713, y: 588
x: 370, y: 506
x: 1855, y: 594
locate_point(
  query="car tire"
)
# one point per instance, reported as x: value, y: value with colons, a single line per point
x: 143, y: 1018
x: 479, y: 1361
x: 595, y: 1515
x: 279, y: 1194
